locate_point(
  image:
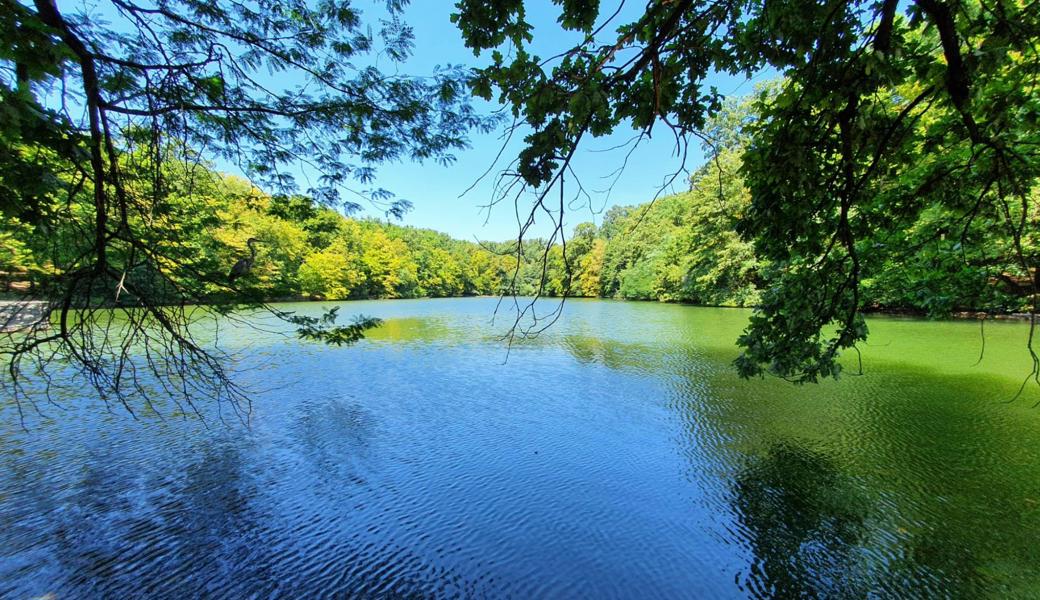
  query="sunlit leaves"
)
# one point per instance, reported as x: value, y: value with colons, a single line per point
x: 884, y: 110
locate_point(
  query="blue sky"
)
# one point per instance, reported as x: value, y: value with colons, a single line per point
x: 435, y: 190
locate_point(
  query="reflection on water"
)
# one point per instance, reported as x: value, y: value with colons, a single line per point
x: 804, y: 524
x: 615, y: 456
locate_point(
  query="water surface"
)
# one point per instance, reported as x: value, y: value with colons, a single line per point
x: 615, y: 456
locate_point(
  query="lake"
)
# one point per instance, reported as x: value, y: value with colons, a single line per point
x: 617, y: 455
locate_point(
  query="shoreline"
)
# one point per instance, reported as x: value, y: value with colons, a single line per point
x: 30, y: 308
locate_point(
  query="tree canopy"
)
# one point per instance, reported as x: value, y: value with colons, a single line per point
x: 120, y: 101
x: 889, y: 117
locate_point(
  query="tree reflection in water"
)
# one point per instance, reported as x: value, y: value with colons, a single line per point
x: 803, y: 522
x: 180, y: 535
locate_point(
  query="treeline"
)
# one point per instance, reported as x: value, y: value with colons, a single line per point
x: 681, y: 248
x: 688, y: 248
x: 692, y: 247
x: 205, y: 220
x: 309, y: 250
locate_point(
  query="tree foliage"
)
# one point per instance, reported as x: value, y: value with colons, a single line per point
x: 122, y: 101
x: 893, y: 165
x: 888, y: 115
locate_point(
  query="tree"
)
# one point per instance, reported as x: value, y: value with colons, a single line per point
x: 328, y: 274
x: 587, y: 252
x: 386, y: 262
x: 104, y: 101
x: 16, y: 259
x: 884, y: 110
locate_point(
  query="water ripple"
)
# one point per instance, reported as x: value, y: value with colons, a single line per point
x: 615, y: 457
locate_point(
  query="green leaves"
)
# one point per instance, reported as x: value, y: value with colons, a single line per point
x: 578, y: 14
x: 324, y: 328
x: 880, y: 118
x: 487, y: 25
x: 115, y: 182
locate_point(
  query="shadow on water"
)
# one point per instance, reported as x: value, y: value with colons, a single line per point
x: 120, y: 529
x: 815, y: 532
x: 334, y: 438
x: 804, y: 523
x: 284, y: 511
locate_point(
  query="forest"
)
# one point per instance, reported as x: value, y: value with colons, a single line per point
x: 684, y: 247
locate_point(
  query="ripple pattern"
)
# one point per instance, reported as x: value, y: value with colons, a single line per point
x: 617, y: 456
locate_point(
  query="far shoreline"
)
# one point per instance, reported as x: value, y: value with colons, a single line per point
x: 35, y: 305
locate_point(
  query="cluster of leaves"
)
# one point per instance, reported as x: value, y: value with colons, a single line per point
x: 325, y: 329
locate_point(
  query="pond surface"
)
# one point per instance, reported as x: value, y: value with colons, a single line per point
x: 615, y: 456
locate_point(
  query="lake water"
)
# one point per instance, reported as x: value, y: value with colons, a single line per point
x: 615, y: 456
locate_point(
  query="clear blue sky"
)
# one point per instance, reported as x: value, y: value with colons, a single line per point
x: 435, y: 190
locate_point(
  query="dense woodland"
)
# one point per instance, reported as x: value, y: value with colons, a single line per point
x: 679, y: 248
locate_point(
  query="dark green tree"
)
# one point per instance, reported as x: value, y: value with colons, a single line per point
x: 884, y: 110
